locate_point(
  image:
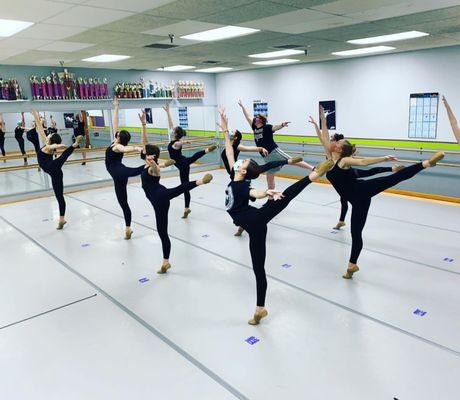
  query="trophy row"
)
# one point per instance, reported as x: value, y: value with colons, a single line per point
x: 10, y: 89
x: 142, y: 90
x: 64, y: 86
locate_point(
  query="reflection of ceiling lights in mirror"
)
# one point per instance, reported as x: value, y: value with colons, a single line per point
x: 225, y: 32
x: 389, y: 38
x: 176, y: 68
x: 279, y: 53
x: 365, y: 50
x: 214, y: 69
x: 106, y: 58
x: 276, y: 62
x: 8, y: 27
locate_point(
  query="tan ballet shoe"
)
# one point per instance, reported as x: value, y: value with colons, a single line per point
x: 211, y: 148
x: 169, y: 162
x: 350, y: 272
x: 61, y: 225
x: 239, y: 232
x: 398, y: 168
x: 164, y: 268
x: 435, y: 158
x: 339, y: 225
x: 323, y: 167
x: 257, y: 317
x: 79, y: 139
x: 295, y: 160
x: 207, y: 178
x: 187, y: 211
x: 128, y: 233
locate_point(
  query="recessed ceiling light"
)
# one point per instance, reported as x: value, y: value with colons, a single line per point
x: 225, y: 32
x: 106, y: 58
x: 276, y: 62
x: 389, y: 38
x: 176, y: 68
x: 214, y: 69
x: 8, y: 27
x: 364, y: 50
x: 278, y: 53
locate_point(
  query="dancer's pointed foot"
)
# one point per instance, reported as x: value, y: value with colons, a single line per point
x: 78, y: 141
x: 239, y: 232
x: 433, y: 160
x: 350, y: 271
x: 169, y: 162
x: 61, y: 224
x: 396, y: 168
x: 187, y: 211
x: 128, y: 233
x: 164, y: 267
x: 258, y: 315
x: 339, y: 225
x: 206, y: 179
x: 295, y: 160
x: 211, y: 148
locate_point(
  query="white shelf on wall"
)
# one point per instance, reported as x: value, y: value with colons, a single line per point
x: 13, y: 101
x: 70, y: 100
x: 161, y: 98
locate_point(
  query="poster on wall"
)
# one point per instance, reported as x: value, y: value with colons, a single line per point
x: 68, y: 120
x: 260, y: 107
x: 148, y: 115
x: 329, y: 110
x: 183, y: 117
x: 423, y: 115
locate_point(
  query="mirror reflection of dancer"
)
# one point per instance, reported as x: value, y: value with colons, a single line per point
x: 263, y: 136
x: 235, y: 140
x: 161, y: 196
x: 452, y: 120
x: 2, y: 136
x: 360, y: 173
x: 19, y: 136
x: 359, y: 192
x: 182, y: 163
x: 79, y: 130
x: 52, y: 167
x: 119, y: 172
x: 255, y: 220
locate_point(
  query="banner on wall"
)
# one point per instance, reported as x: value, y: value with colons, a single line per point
x: 68, y: 120
x: 329, y: 110
x: 149, y: 115
x: 183, y: 117
x: 260, y: 107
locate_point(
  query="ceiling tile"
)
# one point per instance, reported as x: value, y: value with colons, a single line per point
x: 51, y: 32
x: 36, y: 11
x: 138, y: 23
x: 7, y: 53
x: 182, y: 28
x: 21, y: 43
x: 87, y: 16
x: 65, y: 46
x: 131, y: 5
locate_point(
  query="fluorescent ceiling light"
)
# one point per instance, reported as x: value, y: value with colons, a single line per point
x: 279, y: 53
x: 106, y: 58
x: 214, y: 69
x: 225, y: 32
x: 276, y: 62
x: 389, y: 38
x: 364, y: 50
x: 8, y: 27
x: 176, y: 68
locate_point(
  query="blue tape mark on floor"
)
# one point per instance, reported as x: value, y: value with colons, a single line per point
x: 143, y: 280
x: 85, y: 245
x: 286, y: 266
x: 447, y: 259
x: 205, y: 236
x: 420, y: 312
x: 252, y: 340
x: 145, y: 215
x: 45, y: 219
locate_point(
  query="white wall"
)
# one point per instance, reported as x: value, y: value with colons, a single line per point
x: 371, y: 93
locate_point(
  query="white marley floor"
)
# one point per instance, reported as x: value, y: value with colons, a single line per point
x: 77, y: 323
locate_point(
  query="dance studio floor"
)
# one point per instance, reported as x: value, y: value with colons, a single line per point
x: 83, y: 314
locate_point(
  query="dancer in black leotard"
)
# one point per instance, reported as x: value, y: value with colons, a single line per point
x: 119, y: 172
x: 359, y: 192
x: 237, y: 147
x: 452, y: 120
x: 2, y: 136
x: 360, y: 173
x: 54, y: 167
x: 182, y: 163
x: 263, y: 136
x: 255, y: 220
x: 19, y: 136
x: 160, y: 196
x: 79, y: 130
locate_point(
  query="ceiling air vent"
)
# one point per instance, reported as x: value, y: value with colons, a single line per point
x: 210, y: 62
x: 161, y: 46
x: 288, y: 46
